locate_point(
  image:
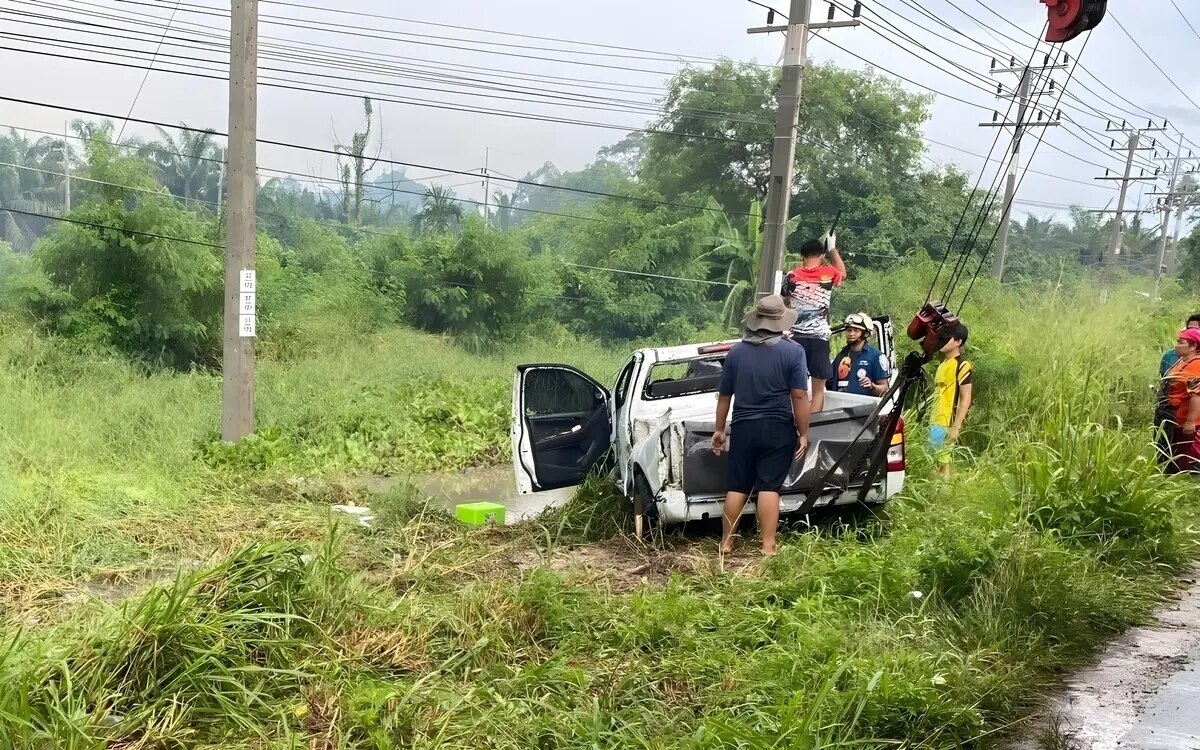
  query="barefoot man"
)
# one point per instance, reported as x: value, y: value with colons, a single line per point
x: 766, y: 379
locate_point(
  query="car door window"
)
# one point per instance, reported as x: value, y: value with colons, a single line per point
x: 550, y: 391
x: 621, y: 391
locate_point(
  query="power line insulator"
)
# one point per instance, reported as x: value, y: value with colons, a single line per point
x: 832, y: 10
x: 857, y: 10
x: 770, y: 16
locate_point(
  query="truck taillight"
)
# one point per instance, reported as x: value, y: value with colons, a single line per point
x: 895, y: 454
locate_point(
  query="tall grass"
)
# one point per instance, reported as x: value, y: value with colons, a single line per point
x: 935, y: 628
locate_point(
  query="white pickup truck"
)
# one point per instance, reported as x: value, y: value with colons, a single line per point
x: 656, y: 425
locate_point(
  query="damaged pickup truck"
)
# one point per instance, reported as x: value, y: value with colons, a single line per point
x: 655, y: 426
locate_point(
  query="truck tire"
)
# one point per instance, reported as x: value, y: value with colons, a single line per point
x: 644, y: 506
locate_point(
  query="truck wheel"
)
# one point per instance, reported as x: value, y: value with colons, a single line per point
x: 645, y: 509
x: 859, y: 518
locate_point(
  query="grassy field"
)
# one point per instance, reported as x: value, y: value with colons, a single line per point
x: 160, y: 590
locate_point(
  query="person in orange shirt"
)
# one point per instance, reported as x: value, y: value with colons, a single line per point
x: 808, y: 290
x: 1181, y: 386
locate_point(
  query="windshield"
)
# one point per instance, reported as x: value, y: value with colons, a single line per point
x: 684, y: 377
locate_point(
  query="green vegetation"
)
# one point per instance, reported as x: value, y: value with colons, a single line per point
x: 161, y: 589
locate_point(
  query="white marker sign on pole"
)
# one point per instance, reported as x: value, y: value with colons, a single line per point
x: 247, y: 324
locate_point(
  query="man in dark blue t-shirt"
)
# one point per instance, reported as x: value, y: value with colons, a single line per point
x: 766, y: 379
x: 859, y: 367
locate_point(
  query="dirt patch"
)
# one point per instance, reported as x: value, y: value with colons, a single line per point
x: 625, y: 563
x: 1100, y: 704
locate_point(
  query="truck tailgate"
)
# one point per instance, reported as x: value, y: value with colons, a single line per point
x: 830, y: 434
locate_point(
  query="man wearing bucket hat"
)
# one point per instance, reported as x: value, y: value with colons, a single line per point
x: 1181, y: 386
x: 765, y: 377
x: 859, y: 367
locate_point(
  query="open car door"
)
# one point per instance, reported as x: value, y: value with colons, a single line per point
x: 884, y: 339
x: 561, y: 427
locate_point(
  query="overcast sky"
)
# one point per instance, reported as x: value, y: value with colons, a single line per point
x: 457, y: 140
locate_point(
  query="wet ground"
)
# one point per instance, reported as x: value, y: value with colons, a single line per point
x: 493, y: 484
x: 1143, y: 694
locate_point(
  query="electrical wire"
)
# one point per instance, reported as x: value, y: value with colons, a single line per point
x: 983, y: 256
x: 146, y: 77
x: 869, y: 119
x: 1185, y: 19
x: 318, y: 149
x: 359, y: 65
x: 378, y: 16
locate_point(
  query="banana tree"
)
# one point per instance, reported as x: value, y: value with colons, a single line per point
x: 739, y: 254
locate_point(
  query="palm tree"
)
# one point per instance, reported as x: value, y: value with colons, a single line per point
x: 505, y: 207
x: 190, y: 165
x: 440, y: 211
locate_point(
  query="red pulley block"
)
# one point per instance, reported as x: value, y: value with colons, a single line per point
x: 1070, y: 18
x: 926, y: 327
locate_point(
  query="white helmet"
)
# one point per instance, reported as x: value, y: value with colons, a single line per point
x: 861, y: 321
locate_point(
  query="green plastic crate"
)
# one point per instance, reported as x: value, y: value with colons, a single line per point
x: 477, y: 514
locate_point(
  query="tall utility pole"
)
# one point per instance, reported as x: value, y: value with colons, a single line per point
x: 66, y: 169
x: 237, y: 396
x: 1132, y: 147
x: 1024, y: 120
x: 487, y: 187
x: 1179, y: 199
x: 787, y: 121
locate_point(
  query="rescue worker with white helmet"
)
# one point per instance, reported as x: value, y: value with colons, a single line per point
x: 859, y: 367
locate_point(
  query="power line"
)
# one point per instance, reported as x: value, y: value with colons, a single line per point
x: 1185, y: 19
x: 358, y: 64
x: 291, y: 85
x: 122, y: 230
x: 1041, y: 137
x: 317, y: 149
x: 683, y: 134
x: 377, y: 16
x: 146, y: 77
x: 331, y: 27
x: 1153, y: 61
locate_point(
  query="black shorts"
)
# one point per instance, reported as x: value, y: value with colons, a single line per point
x: 816, y: 351
x: 760, y: 455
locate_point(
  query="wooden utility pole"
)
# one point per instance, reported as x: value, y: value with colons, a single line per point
x: 237, y: 402
x: 787, y: 122
x: 1024, y: 120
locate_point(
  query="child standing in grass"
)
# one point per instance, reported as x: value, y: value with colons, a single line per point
x: 953, y: 387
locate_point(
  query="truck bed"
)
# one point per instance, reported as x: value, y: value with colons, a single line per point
x: 831, y: 433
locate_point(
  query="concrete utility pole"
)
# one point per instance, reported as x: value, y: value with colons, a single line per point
x: 487, y: 187
x: 787, y: 121
x: 1023, y: 121
x: 1181, y: 200
x: 1132, y: 147
x: 66, y: 169
x: 1173, y: 255
x: 237, y: 402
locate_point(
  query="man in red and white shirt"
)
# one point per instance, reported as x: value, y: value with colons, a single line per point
x: 809, y: 289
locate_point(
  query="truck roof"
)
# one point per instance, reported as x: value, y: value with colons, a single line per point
x: 687, y: 351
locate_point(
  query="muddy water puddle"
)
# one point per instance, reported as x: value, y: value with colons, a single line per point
x: 493, y: 484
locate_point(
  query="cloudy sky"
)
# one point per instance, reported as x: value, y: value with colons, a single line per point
x: 439, y: 126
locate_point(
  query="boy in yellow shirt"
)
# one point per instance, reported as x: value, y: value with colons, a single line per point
x: 952, y: 392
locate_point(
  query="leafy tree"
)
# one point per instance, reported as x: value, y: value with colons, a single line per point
x: 659, y: 268
x: 113, y: 278
x: 440, y: 211
x: 481, y: 286
x: 859, y: 152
